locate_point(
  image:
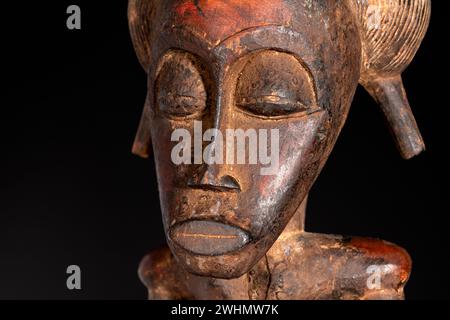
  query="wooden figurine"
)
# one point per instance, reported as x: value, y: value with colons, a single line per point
x: 235, y: 229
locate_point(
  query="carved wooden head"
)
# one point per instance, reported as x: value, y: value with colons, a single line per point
x: 287, y: 67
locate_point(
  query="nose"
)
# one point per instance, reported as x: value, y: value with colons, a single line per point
x: 214, y: 177
x: 217, y: 177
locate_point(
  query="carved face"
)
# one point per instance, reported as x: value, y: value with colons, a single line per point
x: 286, y: 67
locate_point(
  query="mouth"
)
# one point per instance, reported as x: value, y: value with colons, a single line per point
x: 209, y: 238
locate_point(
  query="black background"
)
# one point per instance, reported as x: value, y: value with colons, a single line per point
x: 72, y: 193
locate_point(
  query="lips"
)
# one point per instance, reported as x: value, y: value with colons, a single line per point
x: 209, y: 237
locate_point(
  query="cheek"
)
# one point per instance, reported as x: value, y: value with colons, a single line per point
x: 162, y: 130
x: 301, y: 148
x: 300, y: 145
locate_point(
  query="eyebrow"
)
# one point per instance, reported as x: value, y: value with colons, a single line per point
x: 246, y: 30
x: 192, y: 32
x: 214, y: 45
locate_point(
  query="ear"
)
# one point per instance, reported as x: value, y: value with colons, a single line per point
x: 391, y: 33
x: 390, y: 94
x: 140, y: 14
x: 143, y: 142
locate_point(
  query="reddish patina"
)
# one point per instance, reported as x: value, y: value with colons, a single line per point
x: 286, y: 65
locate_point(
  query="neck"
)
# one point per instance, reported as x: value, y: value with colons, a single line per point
x: 297, y: 223
x: 259, y: 278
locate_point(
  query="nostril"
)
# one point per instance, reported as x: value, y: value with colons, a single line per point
x: 230, y: 183
x: 209, y: 181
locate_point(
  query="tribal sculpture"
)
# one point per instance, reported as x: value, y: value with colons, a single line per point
x: 235, y: 231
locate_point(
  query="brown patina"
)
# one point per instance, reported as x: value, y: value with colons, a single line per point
x: 289, y: 65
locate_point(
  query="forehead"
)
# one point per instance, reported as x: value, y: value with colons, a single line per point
x: 219, y: 19
x: 321, y: 33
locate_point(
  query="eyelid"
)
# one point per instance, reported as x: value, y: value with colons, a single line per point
x: 183, y: 116
x: 299, y: 109
x: 298, y: 114
x: 183, y: 102
x: 189, y: 100
x: 270, y: 99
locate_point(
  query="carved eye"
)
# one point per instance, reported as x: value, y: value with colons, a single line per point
x: 180, y: 90
x: 275, y: 84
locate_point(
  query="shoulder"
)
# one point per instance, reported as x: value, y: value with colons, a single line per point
x: 162, y: 276
x: 337, y: 267
x: 386, y: 267
x: 366, y: 268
